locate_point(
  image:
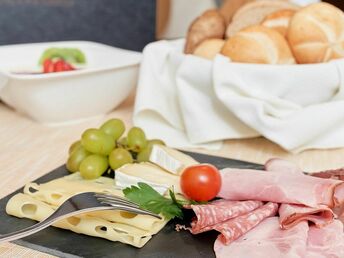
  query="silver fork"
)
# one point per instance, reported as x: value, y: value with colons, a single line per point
x: 77, y: 204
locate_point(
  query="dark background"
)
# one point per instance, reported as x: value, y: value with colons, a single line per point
x: 127, y: 24
x: 339, y: 3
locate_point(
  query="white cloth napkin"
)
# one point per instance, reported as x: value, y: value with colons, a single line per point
x: 192, y: 102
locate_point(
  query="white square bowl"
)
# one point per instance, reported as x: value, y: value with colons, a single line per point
x: 108, y: 78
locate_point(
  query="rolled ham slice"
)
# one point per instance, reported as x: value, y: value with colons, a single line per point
x: 208, y: 215
x: 267, y: 240
x: 339, y: 211
x: 282, y: 166
x: 292, y: 214
x: 244, y: 184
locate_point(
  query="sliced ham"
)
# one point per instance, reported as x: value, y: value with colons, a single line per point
x: 282, y: 166
x: 246, y: 227
x: 219, y: 211
x: 244, y: 184
x: 234, y: 228
x: 267, y: 240
x: 339, y: 211
x: 300, y: 241
x: 327, y: 242
x: 292, y: 214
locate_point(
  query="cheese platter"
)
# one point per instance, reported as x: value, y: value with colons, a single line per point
x: 167, y: 243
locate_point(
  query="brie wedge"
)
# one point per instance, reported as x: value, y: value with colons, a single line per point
x: 160, y: 180
x: 171, y: 160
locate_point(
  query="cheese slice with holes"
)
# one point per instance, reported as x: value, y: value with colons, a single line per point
x: 38, y: 201
x: 159, y: 179
x: 171, y: 160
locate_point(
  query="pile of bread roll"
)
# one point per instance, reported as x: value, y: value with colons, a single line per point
x: 270, y: 32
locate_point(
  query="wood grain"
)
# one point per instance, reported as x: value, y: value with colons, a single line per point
x: 29, y: 150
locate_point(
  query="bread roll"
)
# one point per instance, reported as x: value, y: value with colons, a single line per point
x: 210, y: 24
x: 316, y: 33
x: 279, y: 20
x: 254, y: 13
x: 260, y: 45
x: 230, y: 7
x: 209, y: 48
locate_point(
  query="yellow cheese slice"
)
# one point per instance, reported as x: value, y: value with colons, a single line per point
x: 39, y: 201
x: 24, y: 206
x: 57, y: 191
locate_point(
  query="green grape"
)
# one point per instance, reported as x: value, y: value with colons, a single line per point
x: 74, y: 160
x: 156, y: 141
x: 98, y: 142
x: 119, y: 157
x: 123, y: 142
x: 136, y: 139
x: 93, y: 166
x: 143, y: 156
x: 114, y: 128
x: 74, y: 146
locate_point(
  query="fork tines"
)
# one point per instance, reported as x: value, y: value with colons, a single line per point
x: 123, y: 204
x: 108, y: 198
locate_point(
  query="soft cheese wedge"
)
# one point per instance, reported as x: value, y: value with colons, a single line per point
x: 148, y: 173
x: 171, y: 160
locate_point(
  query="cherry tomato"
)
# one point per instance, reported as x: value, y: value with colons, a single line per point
x: 200, y: 182
x: 48, y: 66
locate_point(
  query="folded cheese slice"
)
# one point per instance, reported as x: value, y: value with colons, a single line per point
x: 57, y: 191
x: 39, y: 201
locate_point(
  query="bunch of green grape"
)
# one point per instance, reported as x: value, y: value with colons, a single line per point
x: 103, y: 149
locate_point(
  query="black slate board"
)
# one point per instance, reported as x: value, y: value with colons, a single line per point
x: 167, y: 243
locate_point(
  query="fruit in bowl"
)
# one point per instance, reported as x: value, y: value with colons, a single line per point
x: 61, y: 59
x: 58, y: 97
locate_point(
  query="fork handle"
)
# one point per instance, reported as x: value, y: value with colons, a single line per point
x: 25, y: 232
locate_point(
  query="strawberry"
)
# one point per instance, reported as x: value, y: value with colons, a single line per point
x: 48, y: 66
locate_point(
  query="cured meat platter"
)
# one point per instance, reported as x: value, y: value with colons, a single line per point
x: 167, y: 243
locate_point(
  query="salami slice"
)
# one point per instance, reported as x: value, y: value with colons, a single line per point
x: 234, y: 228
x: 208, y: 215
x: 292, y: 214
x: 334, y: 174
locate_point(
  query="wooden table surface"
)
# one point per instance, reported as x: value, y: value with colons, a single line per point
x: 29, y: 150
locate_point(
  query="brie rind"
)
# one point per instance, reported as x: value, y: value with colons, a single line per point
x: 169, y: 159
x: 160, y: 180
